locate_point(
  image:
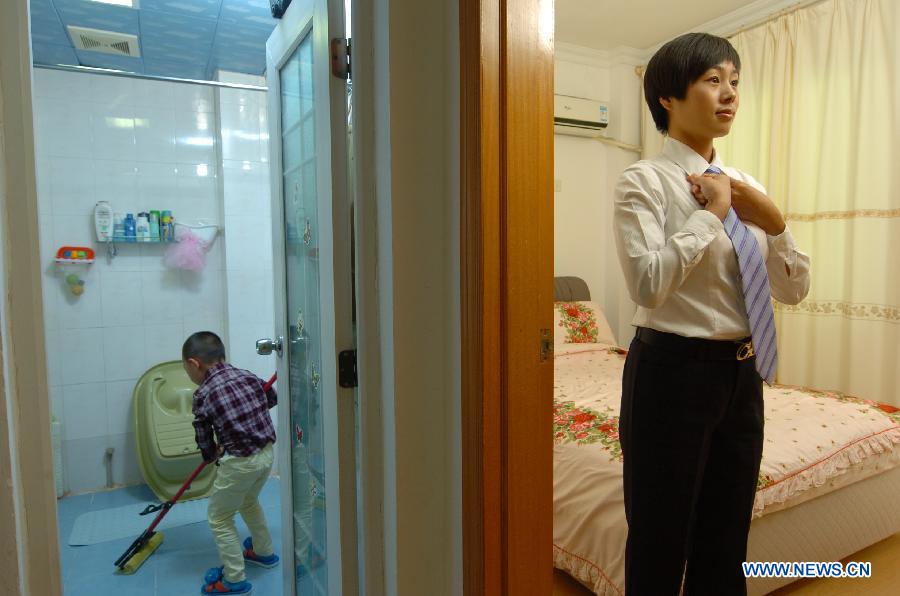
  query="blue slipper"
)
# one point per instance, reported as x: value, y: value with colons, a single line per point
x: 254, y: 559
x: 215, y: 583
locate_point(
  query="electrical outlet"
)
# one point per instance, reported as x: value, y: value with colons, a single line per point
x: 557, y: 185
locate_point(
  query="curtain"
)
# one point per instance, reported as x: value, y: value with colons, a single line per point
x: 818, y: 126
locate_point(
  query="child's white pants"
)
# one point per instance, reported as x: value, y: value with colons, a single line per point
x: 236, y: 489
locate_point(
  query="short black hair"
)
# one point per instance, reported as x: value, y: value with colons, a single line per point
x: 677, y: 64
x: 205, y: 346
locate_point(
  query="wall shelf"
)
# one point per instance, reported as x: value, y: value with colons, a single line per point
x: 135, y: 240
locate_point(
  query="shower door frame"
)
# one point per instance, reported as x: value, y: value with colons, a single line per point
x: 320, y: 19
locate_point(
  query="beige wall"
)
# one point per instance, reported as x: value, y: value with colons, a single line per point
x: 585, y: 174
x: 10, y: 576
x: 417, y: 190
x: 25, y: 454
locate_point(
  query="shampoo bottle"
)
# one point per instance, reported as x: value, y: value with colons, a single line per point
x: 130, y: 232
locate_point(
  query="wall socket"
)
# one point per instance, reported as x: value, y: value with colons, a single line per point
x: 557, y: 185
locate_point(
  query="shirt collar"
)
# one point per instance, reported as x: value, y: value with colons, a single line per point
x: 213, y: 371
x: 687, y: 159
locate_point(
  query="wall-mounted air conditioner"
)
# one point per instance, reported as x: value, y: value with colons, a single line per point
x: 579, y: 116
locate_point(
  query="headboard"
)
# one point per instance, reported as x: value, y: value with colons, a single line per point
x: 570, y: 289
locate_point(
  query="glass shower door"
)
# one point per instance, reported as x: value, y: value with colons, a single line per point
x: 305, y: 328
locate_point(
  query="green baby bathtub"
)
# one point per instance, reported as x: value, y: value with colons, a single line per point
x: 163, y: 429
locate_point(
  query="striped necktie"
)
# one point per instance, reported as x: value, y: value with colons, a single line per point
x: 757, y: 293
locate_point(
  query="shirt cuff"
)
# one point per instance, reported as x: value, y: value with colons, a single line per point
x: 704, y: 224
x: 783, y: 244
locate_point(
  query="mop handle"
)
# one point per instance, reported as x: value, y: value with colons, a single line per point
x: 268, y: 384
x: 187, y: 483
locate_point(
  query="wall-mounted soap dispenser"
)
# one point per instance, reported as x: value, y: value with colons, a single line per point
x: 103, y: 221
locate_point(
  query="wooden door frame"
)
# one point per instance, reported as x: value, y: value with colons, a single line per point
x: 506, y: 244
x: 28, y: 517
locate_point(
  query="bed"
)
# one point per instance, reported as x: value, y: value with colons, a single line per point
x: 828, y: 482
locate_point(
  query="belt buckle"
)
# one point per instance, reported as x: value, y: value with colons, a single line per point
x: 745, y: 351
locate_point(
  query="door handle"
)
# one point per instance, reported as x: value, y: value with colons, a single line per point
x: 264, y: 347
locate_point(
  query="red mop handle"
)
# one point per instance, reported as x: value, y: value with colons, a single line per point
x: 168, y: 504
x: 270, y: 382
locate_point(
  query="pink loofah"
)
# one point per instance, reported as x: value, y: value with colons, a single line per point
x: 188, y: 253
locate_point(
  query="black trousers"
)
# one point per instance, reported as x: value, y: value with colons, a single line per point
x: 691, y: 430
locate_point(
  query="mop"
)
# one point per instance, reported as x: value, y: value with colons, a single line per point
x: 145, y: 544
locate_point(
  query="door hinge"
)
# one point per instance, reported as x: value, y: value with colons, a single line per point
x: 347, y: 376
x: 340, y: 58
x: 546, y: 344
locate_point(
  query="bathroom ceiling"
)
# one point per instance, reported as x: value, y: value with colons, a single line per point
x: 177, y: 38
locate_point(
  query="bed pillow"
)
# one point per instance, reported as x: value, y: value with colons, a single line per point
x: 581, y: 323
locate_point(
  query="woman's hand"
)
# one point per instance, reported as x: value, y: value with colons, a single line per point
x: 754, y: 206
x: 712, y: 191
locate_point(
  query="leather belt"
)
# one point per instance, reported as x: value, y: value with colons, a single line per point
x: 698, y: 348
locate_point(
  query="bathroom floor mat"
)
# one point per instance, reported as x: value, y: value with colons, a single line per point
x: 126, y: 522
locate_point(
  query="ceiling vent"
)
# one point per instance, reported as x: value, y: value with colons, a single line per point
x: 108, y: 42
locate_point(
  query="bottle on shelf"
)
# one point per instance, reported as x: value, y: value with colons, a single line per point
x: 142, y: 227
x: 130, y: 231
x: 118, y: 226
x: 154, y: 226
x: 166, y: 227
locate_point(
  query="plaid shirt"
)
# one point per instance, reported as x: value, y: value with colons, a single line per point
x: 231, y: 402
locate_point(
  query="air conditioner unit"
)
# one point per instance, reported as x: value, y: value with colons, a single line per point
x: 579, y: 116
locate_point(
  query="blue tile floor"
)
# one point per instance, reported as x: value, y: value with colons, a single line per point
x: 178, y: 565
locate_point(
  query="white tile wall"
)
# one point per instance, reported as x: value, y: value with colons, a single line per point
x: 154, y: 132
x: 63, y: 126
x: 112, y: 127
x: 195, y: 137
x: 162, y: 343
x: 54, y: 351
x: 204, y: 296
x: 56, y: 401
x: 161, y: 297
x: 240, y: 131
x: 71, y: 184
x: 125, y: 468
x: 140, y: 145
x: 123, y: 352
x: 250, y: 295
x: 155, y: 182
x: 81, y: 355
x: 247, y: 217
x: 84, y: 408
x: 249, y: 241
x: 196, y: 98
x: 246, y: 188
x: 118, y: 405
x: 83, y: 460
x: 120, y: 296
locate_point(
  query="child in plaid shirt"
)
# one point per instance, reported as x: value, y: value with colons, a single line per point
x: 230, y: 405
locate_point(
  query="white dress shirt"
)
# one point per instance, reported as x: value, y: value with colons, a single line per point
x: 679, y: 264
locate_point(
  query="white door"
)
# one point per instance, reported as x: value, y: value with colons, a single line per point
x: 313, y: 300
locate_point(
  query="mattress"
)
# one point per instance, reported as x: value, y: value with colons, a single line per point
x: 817, y: 443
x: 858, y: 515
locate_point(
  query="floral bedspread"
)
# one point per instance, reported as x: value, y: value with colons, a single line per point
x: 815, y: 441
